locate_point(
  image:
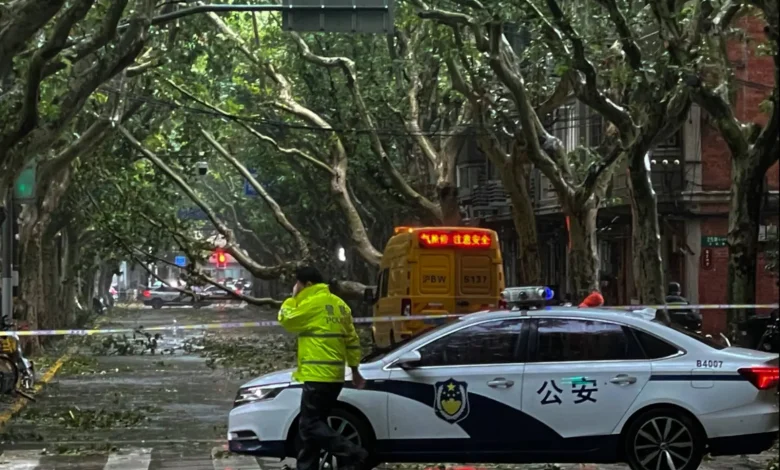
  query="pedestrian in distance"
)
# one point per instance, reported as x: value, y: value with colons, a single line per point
x: 327, y: 341
x: 674, y: 294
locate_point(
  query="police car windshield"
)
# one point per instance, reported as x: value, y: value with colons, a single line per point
x: 378, y: 353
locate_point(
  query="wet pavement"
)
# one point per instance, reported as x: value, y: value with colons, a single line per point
x: 116, y: 406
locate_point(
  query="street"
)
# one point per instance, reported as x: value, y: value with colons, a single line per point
x: 139, y: 411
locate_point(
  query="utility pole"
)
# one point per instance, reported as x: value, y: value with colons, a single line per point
x: 8, y: 256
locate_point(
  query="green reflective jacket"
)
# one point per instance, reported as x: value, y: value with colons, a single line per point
x: 326, y: 336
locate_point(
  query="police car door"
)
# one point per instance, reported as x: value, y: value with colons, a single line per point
x: 581, y: 378
x: 465, y: 394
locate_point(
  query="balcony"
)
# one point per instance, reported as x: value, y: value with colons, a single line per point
x: 487, y: 200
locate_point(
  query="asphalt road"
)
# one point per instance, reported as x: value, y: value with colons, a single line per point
x: 107, y: 410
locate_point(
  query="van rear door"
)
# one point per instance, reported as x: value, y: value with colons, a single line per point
x: 436, y: 273
x: 476, y: 280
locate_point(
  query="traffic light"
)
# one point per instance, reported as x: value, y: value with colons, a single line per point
x: 221, y: 258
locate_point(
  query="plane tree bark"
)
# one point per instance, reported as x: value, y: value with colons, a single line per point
x: 26, y: 129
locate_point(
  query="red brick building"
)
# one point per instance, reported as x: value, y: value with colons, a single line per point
x: 755, y: 80
x: 692, y: 176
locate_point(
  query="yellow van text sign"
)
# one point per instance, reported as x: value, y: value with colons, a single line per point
x: 434, y: 279
x: 458, y: 239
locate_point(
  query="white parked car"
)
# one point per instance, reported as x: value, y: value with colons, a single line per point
x: 560, y: 385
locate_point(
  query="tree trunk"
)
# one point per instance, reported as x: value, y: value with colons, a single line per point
x: 32, y: 290
x: 529, y: 263
x: 87, y: 284
x: 583, y: 250
x: 448, y: 201
x: 68, y: 286
x: 52, y: 317
x: 645, y: 232
x: 747, y: 189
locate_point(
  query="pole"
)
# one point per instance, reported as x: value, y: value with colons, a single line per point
x: 8, y: 256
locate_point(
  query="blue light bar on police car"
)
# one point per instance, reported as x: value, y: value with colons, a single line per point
x: 527, y: 295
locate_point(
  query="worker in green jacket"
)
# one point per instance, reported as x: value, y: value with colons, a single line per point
x: 327, y: 340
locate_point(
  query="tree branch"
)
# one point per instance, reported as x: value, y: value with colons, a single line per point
x: 242, y: 257
x: 279, y: 215
x: 236, y: 119
x: 105, y: 33
x: 53, y: 45
x: 339, y: 160
x: 724, y: 119
x: 590, y: 93
x: 90, y: 139
x: 237, y: 220
x: 21, y: 21
x: 627, y: 39
x: 347, y: 66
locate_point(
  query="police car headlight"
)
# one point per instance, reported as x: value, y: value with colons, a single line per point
x: 258, y: 393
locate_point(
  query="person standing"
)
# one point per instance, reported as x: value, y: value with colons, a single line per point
x: 327, y: 340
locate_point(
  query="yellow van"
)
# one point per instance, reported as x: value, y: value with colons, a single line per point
x: 435, y: 271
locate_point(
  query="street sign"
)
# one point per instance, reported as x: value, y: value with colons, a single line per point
x: 713, y: 241
x: 180, y: 261
x: 249, y: 190
x: 706, y: 258
x: 24, y: 186
x: 338, y: 16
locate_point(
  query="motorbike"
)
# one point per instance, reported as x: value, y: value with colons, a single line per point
x: 98, y: 306
x: 17, y: 373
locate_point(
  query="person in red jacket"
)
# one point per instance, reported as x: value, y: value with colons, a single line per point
x: 595, y: 299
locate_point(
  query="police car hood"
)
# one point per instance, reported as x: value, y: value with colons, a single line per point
x: 282, y: 376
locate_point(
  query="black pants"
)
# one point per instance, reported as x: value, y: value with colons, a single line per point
x: 316, y: 435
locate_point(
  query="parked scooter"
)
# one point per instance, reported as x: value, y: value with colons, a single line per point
x: 17, y: 373
x: 98, y: 306
x: 770, y: 340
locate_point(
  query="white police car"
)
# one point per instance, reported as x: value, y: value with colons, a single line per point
x: 555, y: 385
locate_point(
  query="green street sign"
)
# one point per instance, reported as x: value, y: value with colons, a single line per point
x: 712, y: 241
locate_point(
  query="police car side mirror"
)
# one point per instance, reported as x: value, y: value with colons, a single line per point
x: 368, y: 295
x: 408, y: 360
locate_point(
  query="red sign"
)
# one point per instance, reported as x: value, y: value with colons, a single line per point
x: 706, y: 258
x: 459, y: 239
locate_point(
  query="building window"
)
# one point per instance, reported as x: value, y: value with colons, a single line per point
x: 567, y: 126
x: 469, y: 175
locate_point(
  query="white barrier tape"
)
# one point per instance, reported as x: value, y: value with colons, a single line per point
x: 271, y: 323
x: 696, y: 307
x: 203, y: 326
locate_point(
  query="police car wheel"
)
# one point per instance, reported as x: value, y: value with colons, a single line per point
x: 157, y: 304
x: 664, y: 439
